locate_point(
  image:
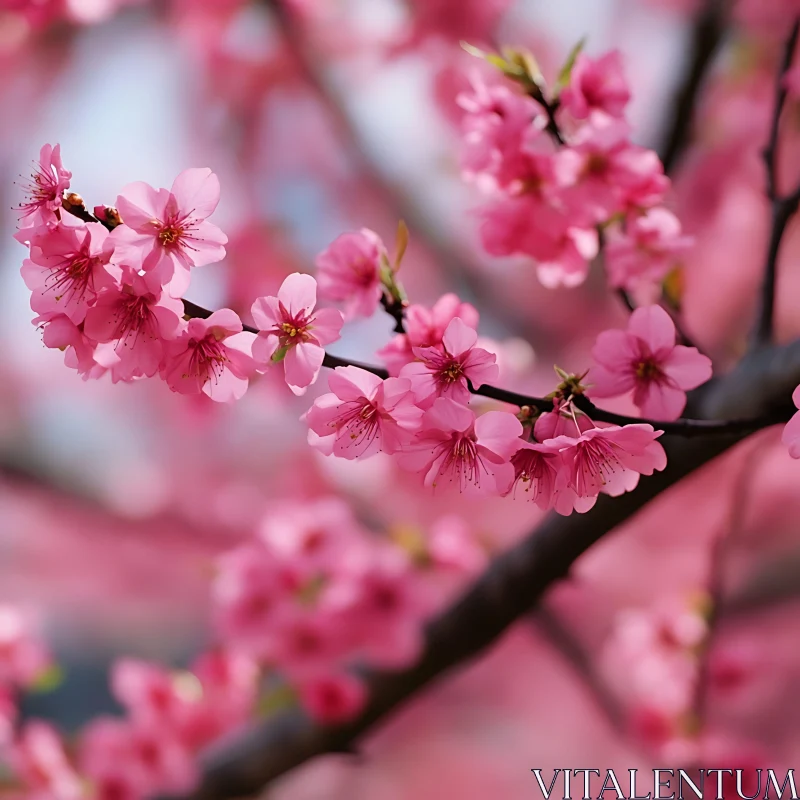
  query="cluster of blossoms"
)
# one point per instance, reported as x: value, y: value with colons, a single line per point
x: 563, y: 173
x: 170, y: 717
x: 314, y: 595
x: 108, y: 289
x: 109, y: 293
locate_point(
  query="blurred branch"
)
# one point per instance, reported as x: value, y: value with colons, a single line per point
x: 707, y: 33
x: 783, y: 206
x: 570, y: 649
x: 510, y: 588
x: 459, y: 272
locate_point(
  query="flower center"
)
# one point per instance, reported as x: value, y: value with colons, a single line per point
x: 452, y: 372
x: 169, y: 235
x: 208, y: 359
x: 648, y: 370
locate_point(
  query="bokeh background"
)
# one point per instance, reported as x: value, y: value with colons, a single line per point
x: 321, y: 116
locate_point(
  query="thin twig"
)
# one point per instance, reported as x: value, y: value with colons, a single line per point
x: 707, y: 34
x: 688, y: 428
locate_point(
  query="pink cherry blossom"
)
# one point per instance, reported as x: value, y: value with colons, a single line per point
x: 147, y: 691
x: 305, y: 642
x: 473, y: 454
x: 165, y: 231
x: 498, y: 123
x: 381, y: 606
x: 59, y: 332
x: 596, y: 85
x: 645, y: 249
x: 539, y: 472
x: 363, y: 415
x: 606, y: 174
x: 333, y: 698
x: 349, y: 272
x: 448, y: 371
x: 525, y: 225
x: 425, y: 327
x: 224, y: 700
x: 68, y: 266
x: 248, y: 593
x: 646, y: 360
x: 138, y: 322
x: 212, y: 356
x: 292, y: 331
x: 610, y: 460
x: 791, y: 431
x: 563, y: 420
x: 45, y: 189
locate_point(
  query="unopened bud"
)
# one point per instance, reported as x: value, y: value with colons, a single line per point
x: 108, y: 215
x: 73, y: 199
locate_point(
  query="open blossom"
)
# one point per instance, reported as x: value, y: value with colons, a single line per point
x: 59, y: 332
x: 453, y: 446
x: 68, y: 266
x: 45, y: 189
x: 606, y: 174
x: 596, y: 85
x: 212, y: 356
x: 363, y: 415
x: 610, y: 460
x: 349, y: 272
x: 645, y: 359
x: 425, y: 327
x: 645, y: 249
x: 791, y: 432
x: 293, y: 332
x: 539, y: 472
x: 447, y: 371
x: 138, y: 322
x: 165, y: 231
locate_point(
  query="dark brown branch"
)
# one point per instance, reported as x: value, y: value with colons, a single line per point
x: 510, y: 588
x: 689, y: 428
x: 707, y: 34
x: 783, y: 206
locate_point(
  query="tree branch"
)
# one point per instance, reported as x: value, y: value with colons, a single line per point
x: 688, y: 428
x: 707, y: 34
x: 510, y: 588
